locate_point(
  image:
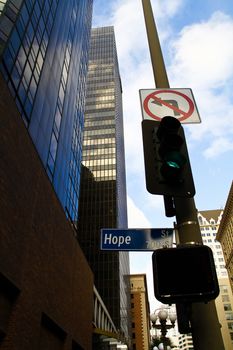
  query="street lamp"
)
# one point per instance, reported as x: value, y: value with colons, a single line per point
x: 163, y: 316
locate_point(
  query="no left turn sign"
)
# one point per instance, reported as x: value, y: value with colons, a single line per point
x: 179, y: 103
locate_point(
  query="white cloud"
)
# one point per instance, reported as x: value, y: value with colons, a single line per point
x: 216, y: 114
x: 166, y: 9
x: 136, y: 217
x: 202, y: 59
x: 201, y: 55
x: 221, y: 145
x: 129, y: 28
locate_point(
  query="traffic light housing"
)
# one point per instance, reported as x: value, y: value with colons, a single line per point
x: 184, y: 274
x: 167, y: 166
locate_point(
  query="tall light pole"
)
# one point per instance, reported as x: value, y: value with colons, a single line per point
x: 205, y: 326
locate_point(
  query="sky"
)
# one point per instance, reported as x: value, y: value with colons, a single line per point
x: 196, y: 38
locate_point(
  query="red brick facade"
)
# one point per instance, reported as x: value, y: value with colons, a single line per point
x: 46, y: 285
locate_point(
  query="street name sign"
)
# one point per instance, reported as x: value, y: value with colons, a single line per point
x: 136, y: 239
x: 178, y: 103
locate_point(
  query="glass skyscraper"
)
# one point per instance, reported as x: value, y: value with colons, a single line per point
x: 43, y: 58
x: 103, y: 185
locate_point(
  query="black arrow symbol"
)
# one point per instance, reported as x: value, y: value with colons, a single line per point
x: 171, y: 102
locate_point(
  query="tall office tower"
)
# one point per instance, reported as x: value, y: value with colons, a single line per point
x: 140, y: 312
x: 103, y: 185
x: 209, y: 221
x: 43, y: 59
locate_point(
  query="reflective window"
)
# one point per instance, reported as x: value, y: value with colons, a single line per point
x: 31, y: 49
x: 15, y: 42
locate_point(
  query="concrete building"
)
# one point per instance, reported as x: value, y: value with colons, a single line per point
x: 209, y: 221
x: 225, y: 235
x: 46, y: 284
x: 103, y: 186
x: 140, y: 312
x: 185, y: 342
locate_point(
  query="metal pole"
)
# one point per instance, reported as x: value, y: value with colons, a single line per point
x: 204, y: 320
x: 158, y: 66
x: 164, y: 333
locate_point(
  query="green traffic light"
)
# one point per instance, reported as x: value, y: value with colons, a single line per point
x: 175, y: 159
x: 173, y: 165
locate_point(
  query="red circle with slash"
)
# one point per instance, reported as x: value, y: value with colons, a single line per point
x: 154, y: 96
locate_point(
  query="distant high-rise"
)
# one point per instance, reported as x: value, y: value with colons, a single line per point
x: 140, y: 312
x: 44, y: 56
x: 103, y: 185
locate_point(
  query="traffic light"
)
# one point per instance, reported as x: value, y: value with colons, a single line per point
x: 184, y: 274
x: 168, y: 170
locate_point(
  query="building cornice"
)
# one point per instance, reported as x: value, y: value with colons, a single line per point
x: 226, y: 213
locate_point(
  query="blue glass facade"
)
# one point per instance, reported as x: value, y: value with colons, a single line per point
x: 44, y: 57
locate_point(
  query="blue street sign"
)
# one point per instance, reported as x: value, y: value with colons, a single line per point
x: 136, y: 239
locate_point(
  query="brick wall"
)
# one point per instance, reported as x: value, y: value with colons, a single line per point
x: 43, y: 272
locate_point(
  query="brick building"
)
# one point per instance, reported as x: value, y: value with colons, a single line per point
x: 46, y: 285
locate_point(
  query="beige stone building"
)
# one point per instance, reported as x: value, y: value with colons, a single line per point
x: 140, y: 312
x: 225, y: 235
x: 209, y: 221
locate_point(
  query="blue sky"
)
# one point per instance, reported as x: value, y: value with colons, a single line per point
x: 197, y: 44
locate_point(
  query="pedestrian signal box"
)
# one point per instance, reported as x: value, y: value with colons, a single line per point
x: 184, y: 274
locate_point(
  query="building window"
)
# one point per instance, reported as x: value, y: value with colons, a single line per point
x: 224, y: 289
x: 52, y: 336
x: 229, y: 316
x: 227, y: 307
x: 8, y: 295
